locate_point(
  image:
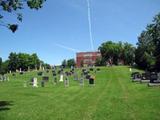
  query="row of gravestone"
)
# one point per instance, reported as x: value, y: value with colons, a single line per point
x: 4, y: 78
x: 84, y: 75
x: 152, y: 78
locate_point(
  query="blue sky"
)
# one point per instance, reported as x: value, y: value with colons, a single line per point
x: 63, y: 23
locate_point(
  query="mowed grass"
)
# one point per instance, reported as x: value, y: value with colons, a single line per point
x: 114, y: 97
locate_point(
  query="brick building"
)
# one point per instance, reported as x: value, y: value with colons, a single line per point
x: 86, y: 58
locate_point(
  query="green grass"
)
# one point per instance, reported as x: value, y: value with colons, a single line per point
x: 114, y: 97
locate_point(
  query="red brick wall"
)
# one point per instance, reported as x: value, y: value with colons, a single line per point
x: 88, y: 58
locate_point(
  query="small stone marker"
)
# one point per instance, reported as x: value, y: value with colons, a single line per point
x: 61, y: 78
x: 81, y: 80
x: 45, y: 78
x: 130, y: 69
x: 42, y: 83
x: 75, y: 76
x: 66, y: 82
x: 91, y: 80
x: 35, y: 82
x: 40, y: 73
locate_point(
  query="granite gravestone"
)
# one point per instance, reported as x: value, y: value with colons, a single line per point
x: 81, y: 80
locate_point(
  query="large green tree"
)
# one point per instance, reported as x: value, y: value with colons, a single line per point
x: 0, y: 64
x: 71, y: 62
x: 13, y: 7
x: 148, y: 46
x: 117, y: 52
x: 13, y: 61
x: 23, y: 61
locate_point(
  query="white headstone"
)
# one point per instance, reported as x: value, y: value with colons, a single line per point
x: 43, y: 69
x: 61, y: 78
x: 35, y: 83
x: 130, y: 69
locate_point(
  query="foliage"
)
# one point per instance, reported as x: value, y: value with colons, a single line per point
x: 13, y: 7
x: 71, y: 62
x: 23, y: 61
x: 100, y: 62
x: 148, y: 50
x: 0, y: 65
x: 117, y: 52
x: 68, y: 63
x: 64, y: 63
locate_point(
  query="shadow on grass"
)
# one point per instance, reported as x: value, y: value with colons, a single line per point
x: 4, y: 105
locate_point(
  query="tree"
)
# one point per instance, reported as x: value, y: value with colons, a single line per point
x: 13, y: 7
x: 64, y: 63
x: 82, y: 63
x: 117, y: 52
x: 128, y: 53
x: 4, y: 67
x: 13, y: 61
x: 100, y: 62
x: 148, y: 46
x: 0, y: 65
x: 70, y: 62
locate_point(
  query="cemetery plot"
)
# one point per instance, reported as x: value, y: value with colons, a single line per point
x: 136, y: 76
x: 154, y: 79
x: 113, y: 97
x: 145, y: 78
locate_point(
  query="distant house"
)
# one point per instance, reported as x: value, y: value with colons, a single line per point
x: 86, y: 58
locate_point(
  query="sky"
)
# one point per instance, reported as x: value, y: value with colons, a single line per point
x: 62, y: 27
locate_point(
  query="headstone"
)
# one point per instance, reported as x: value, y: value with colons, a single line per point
x: 43, y: 69
x: 35, y: 82
x: 159, y: 76
x: 91, y: 80
x: 61, y: 78
x: 136, y: 76
x: 130, y: 69
x: 154, y: 81
x: 8, y: 78
x: 153, y: 77
x: 75, y: 76
x: 66, y: 81
x: 4, y: 78
x: 42, y: 83
x: 81, y: 80
x: 40, y: 73
x: 45, y: 78
x: 55, y: 80
x: 88, y: 77
x: 145, y: 77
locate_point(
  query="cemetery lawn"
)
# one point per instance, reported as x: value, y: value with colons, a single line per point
x: 114, y: 97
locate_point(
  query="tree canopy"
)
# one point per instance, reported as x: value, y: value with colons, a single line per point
x: 14, y: 7
x: 117, y: 52
x: 148, y: 46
